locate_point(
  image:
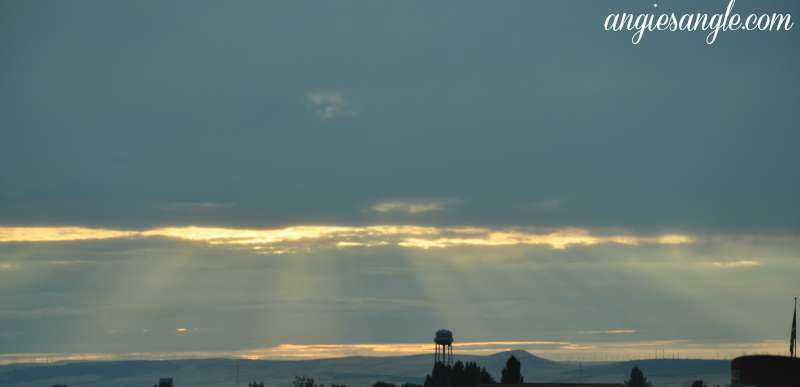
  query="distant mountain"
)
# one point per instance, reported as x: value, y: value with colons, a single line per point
x: 528, y: 360
x: 353, y: 371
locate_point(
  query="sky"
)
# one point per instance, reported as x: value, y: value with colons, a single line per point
x: 299, y: 179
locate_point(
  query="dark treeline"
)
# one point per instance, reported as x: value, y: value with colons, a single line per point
x: 384, y: 384
x: 300, y: 381
x: 468, y: 374
x: 637, y: 379
x: 462, y: 374
x: 471, y: 375
x: 512, y: 372
x: 459, y: 374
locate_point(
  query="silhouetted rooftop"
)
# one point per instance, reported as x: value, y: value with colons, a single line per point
x: 765, y: 371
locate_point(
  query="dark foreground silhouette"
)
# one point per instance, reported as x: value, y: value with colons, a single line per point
x: 354, y: 371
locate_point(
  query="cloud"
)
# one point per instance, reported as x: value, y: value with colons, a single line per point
x: 736, y: 264
x: 312, y: 351
x: 609, y: 332
x: 559, y: 350
x: 287, y: 239
x: 408, y: 207
x: 558, y: 239
x: 6, y: 266
x: 330, y: 104
x: 550, y: 205
x: 197, y: 206
x: 58, y: 234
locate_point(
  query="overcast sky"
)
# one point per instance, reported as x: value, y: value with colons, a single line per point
x: 198, y: 176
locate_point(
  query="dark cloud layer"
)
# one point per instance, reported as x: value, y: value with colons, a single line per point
x: 111, y: 113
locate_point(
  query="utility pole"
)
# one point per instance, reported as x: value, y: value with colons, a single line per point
x: 793, y: 337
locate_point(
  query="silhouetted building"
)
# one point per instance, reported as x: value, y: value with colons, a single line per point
x: 165, y: 382
x: 765, y: 371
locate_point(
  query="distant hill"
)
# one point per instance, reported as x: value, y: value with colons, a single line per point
x: 528, y: 360
x: 353, y: 371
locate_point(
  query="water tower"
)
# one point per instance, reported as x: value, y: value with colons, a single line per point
x: 444, y: 347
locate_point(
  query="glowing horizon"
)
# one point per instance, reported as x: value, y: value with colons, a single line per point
x: 280, y: 240
x: 549, y: 349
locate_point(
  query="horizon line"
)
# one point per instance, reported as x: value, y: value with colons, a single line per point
x: 556, y: 351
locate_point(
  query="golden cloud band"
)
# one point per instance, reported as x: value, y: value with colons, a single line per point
x: 282, y: 240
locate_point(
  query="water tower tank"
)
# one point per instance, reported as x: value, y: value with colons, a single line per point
x: 444, y: 347
x: 443, y: 337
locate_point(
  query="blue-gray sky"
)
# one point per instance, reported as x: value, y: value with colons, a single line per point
x: 506, y: 169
